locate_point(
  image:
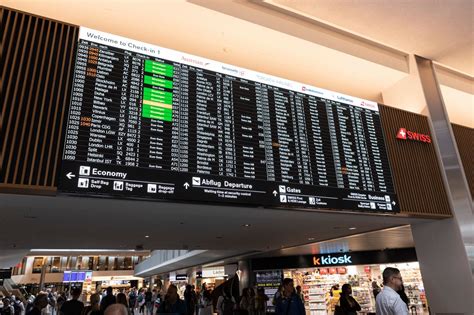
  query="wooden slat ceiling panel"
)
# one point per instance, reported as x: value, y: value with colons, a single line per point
x: 465, y: 141
x: 415, y: 169
x: 36, y: 67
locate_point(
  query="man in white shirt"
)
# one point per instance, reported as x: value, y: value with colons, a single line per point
x: 388, y: 302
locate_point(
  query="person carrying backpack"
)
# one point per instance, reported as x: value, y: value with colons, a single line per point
x: 132, y: 300
x: 18, y: 306
x: 225, y: 304
x: 141, y: 301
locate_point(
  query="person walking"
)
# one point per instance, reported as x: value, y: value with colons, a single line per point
x: 375, y: 289
x: 60, y: 301
x: 244, y: 303
x: 18, y: 305
x: 94, y: 308
x: 122, y: 299
x: 205, y: 303
x: 388, y: 301
x: 132, y: 300
x: 289, y: 303
x: 299, y: 291
x: 347, y: 305
x: 73, y: 306
x: 190, y: 299
x: 225, y: 303
x: 172, y: 303
x: 260, y: 302
x: 51, y: 301
x: 278, y: 294
x: 7, y: 309
x: 108, y: 299
x: 40, y: 302
x: 149, y: 302
x: 141, y: 301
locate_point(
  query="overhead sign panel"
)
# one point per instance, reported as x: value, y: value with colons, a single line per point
x: 150, y: 122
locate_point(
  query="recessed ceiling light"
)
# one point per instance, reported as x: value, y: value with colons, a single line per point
x: 147, y: 236
x: 352, y: 228
x: 246, y: 225
x: 310, y: 238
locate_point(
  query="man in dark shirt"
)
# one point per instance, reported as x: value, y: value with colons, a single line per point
x: 73, y: 307
x: 172, y: 303
x: 40, y: 302
x: 7, y: 307
x: 289, y: 303
x: 107, y: 300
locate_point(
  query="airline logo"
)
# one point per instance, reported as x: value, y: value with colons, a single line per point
x: 405, y: 134
x: 402, y: 134
x: 329, y: 260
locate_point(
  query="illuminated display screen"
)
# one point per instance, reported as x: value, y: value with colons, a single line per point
x: 149, y: 122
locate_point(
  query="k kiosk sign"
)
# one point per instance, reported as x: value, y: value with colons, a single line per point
x: 336, y: 259
x: 328, y: 260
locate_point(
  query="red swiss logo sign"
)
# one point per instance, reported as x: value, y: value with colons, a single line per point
x: 402, y: 134
x: 405, y: 134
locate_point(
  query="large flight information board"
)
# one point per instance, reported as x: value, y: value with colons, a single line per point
x: 149, y: 122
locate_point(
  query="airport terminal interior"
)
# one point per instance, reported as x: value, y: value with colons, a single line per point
x: 247, y: 157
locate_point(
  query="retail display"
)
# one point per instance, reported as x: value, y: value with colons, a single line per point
x: 321, y: 295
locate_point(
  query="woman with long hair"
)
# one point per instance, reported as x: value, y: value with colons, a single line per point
x: 347, y: 304
x: 122, y: 299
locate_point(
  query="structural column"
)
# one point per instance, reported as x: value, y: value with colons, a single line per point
x: 445, y: 248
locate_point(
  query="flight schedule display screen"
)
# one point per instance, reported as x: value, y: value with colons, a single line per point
x: 149, y: 122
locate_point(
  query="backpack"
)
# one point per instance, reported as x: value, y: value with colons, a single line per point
x: 141, y: 300
x: 17, y: 308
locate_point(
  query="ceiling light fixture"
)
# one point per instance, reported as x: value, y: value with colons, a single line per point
x: 147, y: 236
x: 246, y: 225
x: 310, y: 238
x: 352, y: 228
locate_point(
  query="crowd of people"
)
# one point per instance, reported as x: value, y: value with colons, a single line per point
x: 288, y: 300
x: 391, y: 300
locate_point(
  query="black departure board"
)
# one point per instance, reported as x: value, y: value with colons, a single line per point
x: 149, y: 122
